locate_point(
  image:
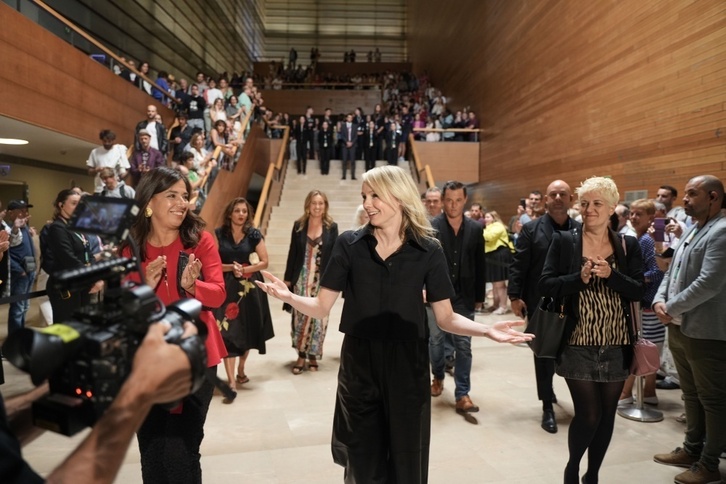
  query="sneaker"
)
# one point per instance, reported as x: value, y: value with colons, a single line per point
x: 500, y: 311
x: 677, y: 458
x: 650, y: 400
x: 437, y: 386
x: 625, y: 401
x: 698, y: 474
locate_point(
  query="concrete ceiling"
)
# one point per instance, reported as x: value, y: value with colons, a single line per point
x: 44, y: 145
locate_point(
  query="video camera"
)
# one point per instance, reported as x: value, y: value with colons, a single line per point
x: 87, y: 359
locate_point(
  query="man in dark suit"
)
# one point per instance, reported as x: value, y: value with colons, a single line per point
x: 691, y: 300
x: 524, y: 272
x: 349, y: 136
x: 463, y: 244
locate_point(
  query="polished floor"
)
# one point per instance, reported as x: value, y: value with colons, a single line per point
x: 278, y: 429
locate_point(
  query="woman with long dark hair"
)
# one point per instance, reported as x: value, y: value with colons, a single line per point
x: 244, y: 319
x: 597, y: 274
x: 179, y: 260
x: 311, y: 244
x: 62, y: 249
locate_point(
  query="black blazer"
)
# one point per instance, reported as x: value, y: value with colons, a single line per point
x: 296, y: 253
x: 528, y: 261
x: 561, y: 274
x: 472, y: 281
x: 323, y: 135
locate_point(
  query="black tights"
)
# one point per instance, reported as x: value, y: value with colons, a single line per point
x: 592, y: 426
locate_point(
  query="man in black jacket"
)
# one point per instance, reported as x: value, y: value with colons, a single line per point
x: 463, y: 244
x: 524, y: 272
x: 157, y: 131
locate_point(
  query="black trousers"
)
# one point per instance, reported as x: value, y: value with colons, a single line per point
x: 392, y: 155
x: 544, y: 372
x: 349, y: 157
x: 382, y: 420
x: 325, y: 155
x: 302, y: 160
x: 370, y: 157
x: 169, y: 443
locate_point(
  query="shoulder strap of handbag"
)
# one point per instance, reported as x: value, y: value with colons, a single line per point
x: 634, y: 319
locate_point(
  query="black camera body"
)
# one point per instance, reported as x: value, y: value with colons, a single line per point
x: 87, y: 359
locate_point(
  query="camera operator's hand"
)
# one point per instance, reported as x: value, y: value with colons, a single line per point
x: 162, y: 368
x: 155, y: 270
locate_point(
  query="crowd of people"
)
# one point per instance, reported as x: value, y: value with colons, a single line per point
x: 597, y: 254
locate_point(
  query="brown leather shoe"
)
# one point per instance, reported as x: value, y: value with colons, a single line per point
x: 437, y: 386
x: 465, y: 405
x: 677, y: 458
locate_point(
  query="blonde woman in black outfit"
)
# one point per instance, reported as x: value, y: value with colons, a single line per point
x: 598, y: 280
x: 382, y: 421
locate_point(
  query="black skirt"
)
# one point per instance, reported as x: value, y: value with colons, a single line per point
x: 497, y: 264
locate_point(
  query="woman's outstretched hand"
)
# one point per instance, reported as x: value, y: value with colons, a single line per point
x: 275, y: 288
x: 502, y: 332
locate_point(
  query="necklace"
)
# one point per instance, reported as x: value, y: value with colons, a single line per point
x: 164, y: 271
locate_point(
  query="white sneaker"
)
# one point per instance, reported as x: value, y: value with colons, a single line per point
x: 625, y: 401
x: 501, y: 311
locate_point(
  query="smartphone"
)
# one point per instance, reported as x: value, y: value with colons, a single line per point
x: 523, y: 202
x: 659, y: 229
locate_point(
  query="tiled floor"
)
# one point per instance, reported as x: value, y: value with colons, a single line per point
x: 278, y: 429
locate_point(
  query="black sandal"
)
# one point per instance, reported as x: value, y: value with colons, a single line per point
x: 296, y: 370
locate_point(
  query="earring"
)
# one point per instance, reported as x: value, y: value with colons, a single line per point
x: 148, y: 212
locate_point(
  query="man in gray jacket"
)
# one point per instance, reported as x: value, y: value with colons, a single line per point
x: 691, y: 300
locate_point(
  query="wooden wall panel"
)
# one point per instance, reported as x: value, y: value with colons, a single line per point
x: 570, y: 89
x: 48, y: 83
x: 295, y: 101
x: 451, y: 160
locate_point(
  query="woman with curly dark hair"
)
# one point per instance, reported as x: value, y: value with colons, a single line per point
x: 179, y: 260
x: 244, y: 319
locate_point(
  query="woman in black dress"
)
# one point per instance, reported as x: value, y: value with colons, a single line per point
x: 244, y: 319
x: 382, y: 421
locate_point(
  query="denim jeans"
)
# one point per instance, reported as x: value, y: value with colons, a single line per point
x: 701, y: 364
x: 19, y: 284
x: 462, y: 346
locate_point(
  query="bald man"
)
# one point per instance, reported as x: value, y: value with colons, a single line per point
x: 524, y: 272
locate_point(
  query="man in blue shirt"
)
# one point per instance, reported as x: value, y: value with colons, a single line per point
x: 22, y: 262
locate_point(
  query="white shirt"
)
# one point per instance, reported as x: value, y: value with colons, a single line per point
x: 114, y: 158
x: 151, y: 128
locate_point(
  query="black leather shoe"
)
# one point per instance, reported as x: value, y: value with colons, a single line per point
x: 549, y: 424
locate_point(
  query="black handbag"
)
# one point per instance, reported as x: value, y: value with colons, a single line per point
x: 548, y: 325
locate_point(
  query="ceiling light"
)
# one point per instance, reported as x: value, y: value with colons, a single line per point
x: 13, y: 141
